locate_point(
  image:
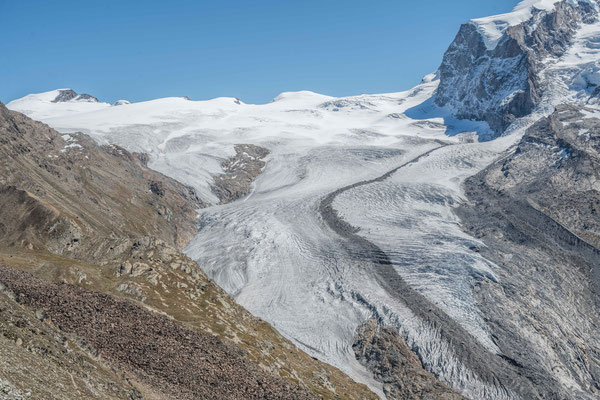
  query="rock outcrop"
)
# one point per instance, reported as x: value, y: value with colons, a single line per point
x: 383, y: 351
x: 240, y: 171
x: 66, y: 95
x: 501, y: 83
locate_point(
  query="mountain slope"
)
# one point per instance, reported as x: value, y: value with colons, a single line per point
x: 469, y: 256
x: 73, y: 178
x: 494, y: 71
x: 536, y: 211
x: 176, y: 362
x: 28, y: 345
x: 96, y: 217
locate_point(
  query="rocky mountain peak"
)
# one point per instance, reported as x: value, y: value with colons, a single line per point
x: 493, y: 70
x: 65, y: 95
x: 87, y: 97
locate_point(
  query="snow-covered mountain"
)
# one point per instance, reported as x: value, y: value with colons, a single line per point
x: 505, y: 67
x: 56, y: 103
x: 353, y: 217
x: 189, y: 140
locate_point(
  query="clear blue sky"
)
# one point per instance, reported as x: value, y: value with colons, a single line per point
x: 253, y: 50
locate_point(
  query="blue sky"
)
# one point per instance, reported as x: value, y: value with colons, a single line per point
x: 252, y: 50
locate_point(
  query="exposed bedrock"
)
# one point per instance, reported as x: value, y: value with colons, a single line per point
x: 503, y: 83
x: 66, y: 95
x: 240, y: 171
x: 383, y: 351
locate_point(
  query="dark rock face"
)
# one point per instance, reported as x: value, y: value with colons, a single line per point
x: 157, y: 188
x: 240, y: 171
x: 86, y: 97
x: 383, y: 351
x: 537, y: 212
x: 502, y: 84
x: 69, y: 94
x: 65, y: 95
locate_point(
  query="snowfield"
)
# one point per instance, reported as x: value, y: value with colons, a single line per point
x: 41, y: 106
x: 189, y: 140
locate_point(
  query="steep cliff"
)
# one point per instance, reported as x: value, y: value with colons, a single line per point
x: 493, y: 70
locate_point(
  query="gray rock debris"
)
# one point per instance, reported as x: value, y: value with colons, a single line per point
x: 537, y: 211
x: 383, y: 351
x: 240, y: 171
x: 8, y: 392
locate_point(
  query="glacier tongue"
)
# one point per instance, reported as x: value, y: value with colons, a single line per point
x: 272, y: 250
x: 281, y: 261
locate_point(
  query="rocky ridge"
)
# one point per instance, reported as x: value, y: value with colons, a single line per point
x: 239, y: 172
x: 505, y: 82
x: 70, y: 95
x: 96, y: 217
x: 74, y: 184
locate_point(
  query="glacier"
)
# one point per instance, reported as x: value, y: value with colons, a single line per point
x: 392, y: 165
x: 272, y: 250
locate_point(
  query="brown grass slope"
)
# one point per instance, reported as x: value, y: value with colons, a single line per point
x: 185, y: 363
